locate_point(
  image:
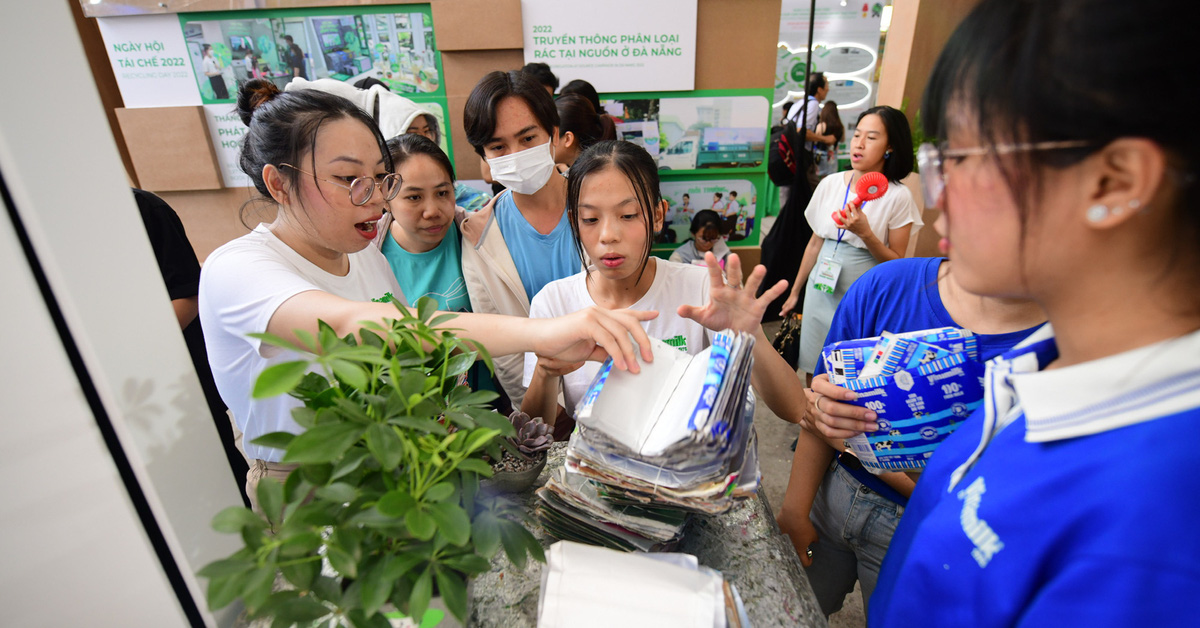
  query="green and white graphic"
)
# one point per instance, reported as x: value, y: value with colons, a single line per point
x: 149, y: 59
x: 617, y: 45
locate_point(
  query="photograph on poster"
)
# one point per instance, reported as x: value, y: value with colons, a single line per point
x: 396, y: 48
x: 695, y: 133
x: 733, y: 199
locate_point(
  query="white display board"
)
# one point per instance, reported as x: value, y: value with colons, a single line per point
x: 845, y: 48
x: 226, y: 130
x: 617, y: 45
x: 150, y: 60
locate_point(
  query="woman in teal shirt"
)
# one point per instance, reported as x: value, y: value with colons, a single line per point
x: 421, y: 240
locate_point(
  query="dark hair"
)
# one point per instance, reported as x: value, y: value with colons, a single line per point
x: 432, y: 121
x: 541, y: 72
x: 630, y: 160
x: 576, y: 114
x: 205, y: 48
x: 283, y: 126
x: 687, y: 195
x: 402, y: 147
x: 833, y: 121
x: 705, y: 219
x: 733, y: 193
x: 288, y: 39
x: 1030, y: 71
x: 583, y: 88
x: 899, y: 163
x: 369, y: 82
x: 816, y: 81
x: 479, y: 115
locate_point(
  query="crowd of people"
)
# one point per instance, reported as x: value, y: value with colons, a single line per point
x: 1069, y: 222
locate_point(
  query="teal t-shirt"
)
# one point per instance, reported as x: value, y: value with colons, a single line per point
x: 436, y: 273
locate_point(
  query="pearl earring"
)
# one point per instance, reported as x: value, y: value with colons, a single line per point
x: 1097, y: 213
x: 1134, y: 204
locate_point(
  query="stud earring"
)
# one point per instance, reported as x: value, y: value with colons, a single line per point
x: 1097, y: 213
x: 887, y: 155
x: 1134, y: 204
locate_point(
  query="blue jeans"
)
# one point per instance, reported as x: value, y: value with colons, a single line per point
x: 854, y: 527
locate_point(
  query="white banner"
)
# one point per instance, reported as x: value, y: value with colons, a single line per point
x: 150, y: 59
x: 617, y: 45
x: 226, y: 130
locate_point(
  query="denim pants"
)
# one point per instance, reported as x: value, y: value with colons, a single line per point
x: 854, y: 527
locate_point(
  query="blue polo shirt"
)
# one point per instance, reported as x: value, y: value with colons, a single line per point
x: 1063, y: 501
x: 539, y: 258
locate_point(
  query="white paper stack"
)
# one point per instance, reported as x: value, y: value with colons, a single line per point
x: 674, y: 439
x: 584, y: 586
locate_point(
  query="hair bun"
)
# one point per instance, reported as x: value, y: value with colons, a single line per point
x: 254, y: 94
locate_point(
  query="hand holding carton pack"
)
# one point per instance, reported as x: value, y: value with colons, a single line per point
x: 920, y: 384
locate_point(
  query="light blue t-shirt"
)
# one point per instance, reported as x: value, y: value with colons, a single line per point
x: 539, y: 258
x: 436, y: 273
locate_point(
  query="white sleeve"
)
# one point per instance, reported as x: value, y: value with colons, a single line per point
x: 904, y: 210
x: 242, y: 288
x: 539, y: 308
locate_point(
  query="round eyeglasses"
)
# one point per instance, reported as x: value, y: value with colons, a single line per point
x: 930, y: 159
x: 362, y: 188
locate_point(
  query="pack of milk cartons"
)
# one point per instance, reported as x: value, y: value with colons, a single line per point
x: 920, y: 385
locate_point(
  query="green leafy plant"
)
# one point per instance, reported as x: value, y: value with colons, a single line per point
x: 387, y: 488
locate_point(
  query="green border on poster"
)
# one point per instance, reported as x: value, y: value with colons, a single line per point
x: 424, y: 9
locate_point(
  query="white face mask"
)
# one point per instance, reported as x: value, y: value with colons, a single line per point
x: 524, y: 172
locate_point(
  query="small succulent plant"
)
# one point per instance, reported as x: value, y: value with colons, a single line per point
x: 533, y: 435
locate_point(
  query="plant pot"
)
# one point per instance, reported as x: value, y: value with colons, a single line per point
x: 517, y: 481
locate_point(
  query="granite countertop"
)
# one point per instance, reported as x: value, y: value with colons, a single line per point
x: 745, y: 544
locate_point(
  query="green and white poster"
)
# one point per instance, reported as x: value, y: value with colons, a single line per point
x: 149, y: 59
x: 617, y: 45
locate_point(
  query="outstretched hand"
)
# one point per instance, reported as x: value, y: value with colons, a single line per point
x: 595, y: 334
x: 731, y: 305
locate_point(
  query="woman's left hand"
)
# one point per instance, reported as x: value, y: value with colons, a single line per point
x: 854, y: 221
x: 731, y: 305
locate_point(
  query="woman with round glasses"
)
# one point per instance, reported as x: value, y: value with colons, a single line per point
x: 1054, y: 504
x: 866, y: 234
x: 323, y: 162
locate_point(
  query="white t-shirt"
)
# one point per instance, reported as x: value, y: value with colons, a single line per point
x: 674, y: 285
x: 241, y: 285
x: 811, y: 116
x: 893, y: 210
x: 210, y: 66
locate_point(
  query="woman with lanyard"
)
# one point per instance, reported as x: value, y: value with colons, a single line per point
x: 841, y: 250
x: 1053, y: 504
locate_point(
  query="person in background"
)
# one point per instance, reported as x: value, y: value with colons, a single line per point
x: 1053, y: 504
x: 608, y: 123
x: 212, y: 69
x: 181, y: 273
x: 870, y: 232
x: 706, y: 236
x: 522, y: 240
x: 828, y: 123
x: 322, y: 160
x: 580, y: 128
x: 717, y: 205
x: 294, y: 57
x: 542, y: 74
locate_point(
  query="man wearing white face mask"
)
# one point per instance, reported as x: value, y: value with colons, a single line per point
x: 522, y: 240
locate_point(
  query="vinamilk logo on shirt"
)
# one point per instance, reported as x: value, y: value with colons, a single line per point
x: 679, y: 342
x: 987, y: 542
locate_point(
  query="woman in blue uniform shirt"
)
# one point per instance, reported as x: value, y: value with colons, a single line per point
x: 1053, y: 504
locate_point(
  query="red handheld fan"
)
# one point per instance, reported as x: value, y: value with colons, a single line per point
x: 870, y: 186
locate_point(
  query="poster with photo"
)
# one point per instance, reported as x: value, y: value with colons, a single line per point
x: 695, y: 133
x: 734, y: 200
x: 226, y: 131
x: 349, y: 45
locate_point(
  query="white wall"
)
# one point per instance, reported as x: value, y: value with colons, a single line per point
x: 82, y: 554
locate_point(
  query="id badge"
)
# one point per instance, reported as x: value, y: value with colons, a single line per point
x: 827, y: 275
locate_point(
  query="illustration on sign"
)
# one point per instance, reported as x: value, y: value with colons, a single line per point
x: 735, y: 200
x: 395, y: 48
x: 695, y: 133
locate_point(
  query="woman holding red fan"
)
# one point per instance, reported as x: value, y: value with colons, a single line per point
x: 852, y: 234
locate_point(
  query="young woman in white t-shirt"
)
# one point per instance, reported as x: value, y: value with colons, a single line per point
x: 870, y: 233
x: 322, y: 161
x: 614, y: 205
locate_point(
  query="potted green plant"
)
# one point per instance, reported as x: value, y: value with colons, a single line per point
x: 384, y: 508
x: 522, y: 462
